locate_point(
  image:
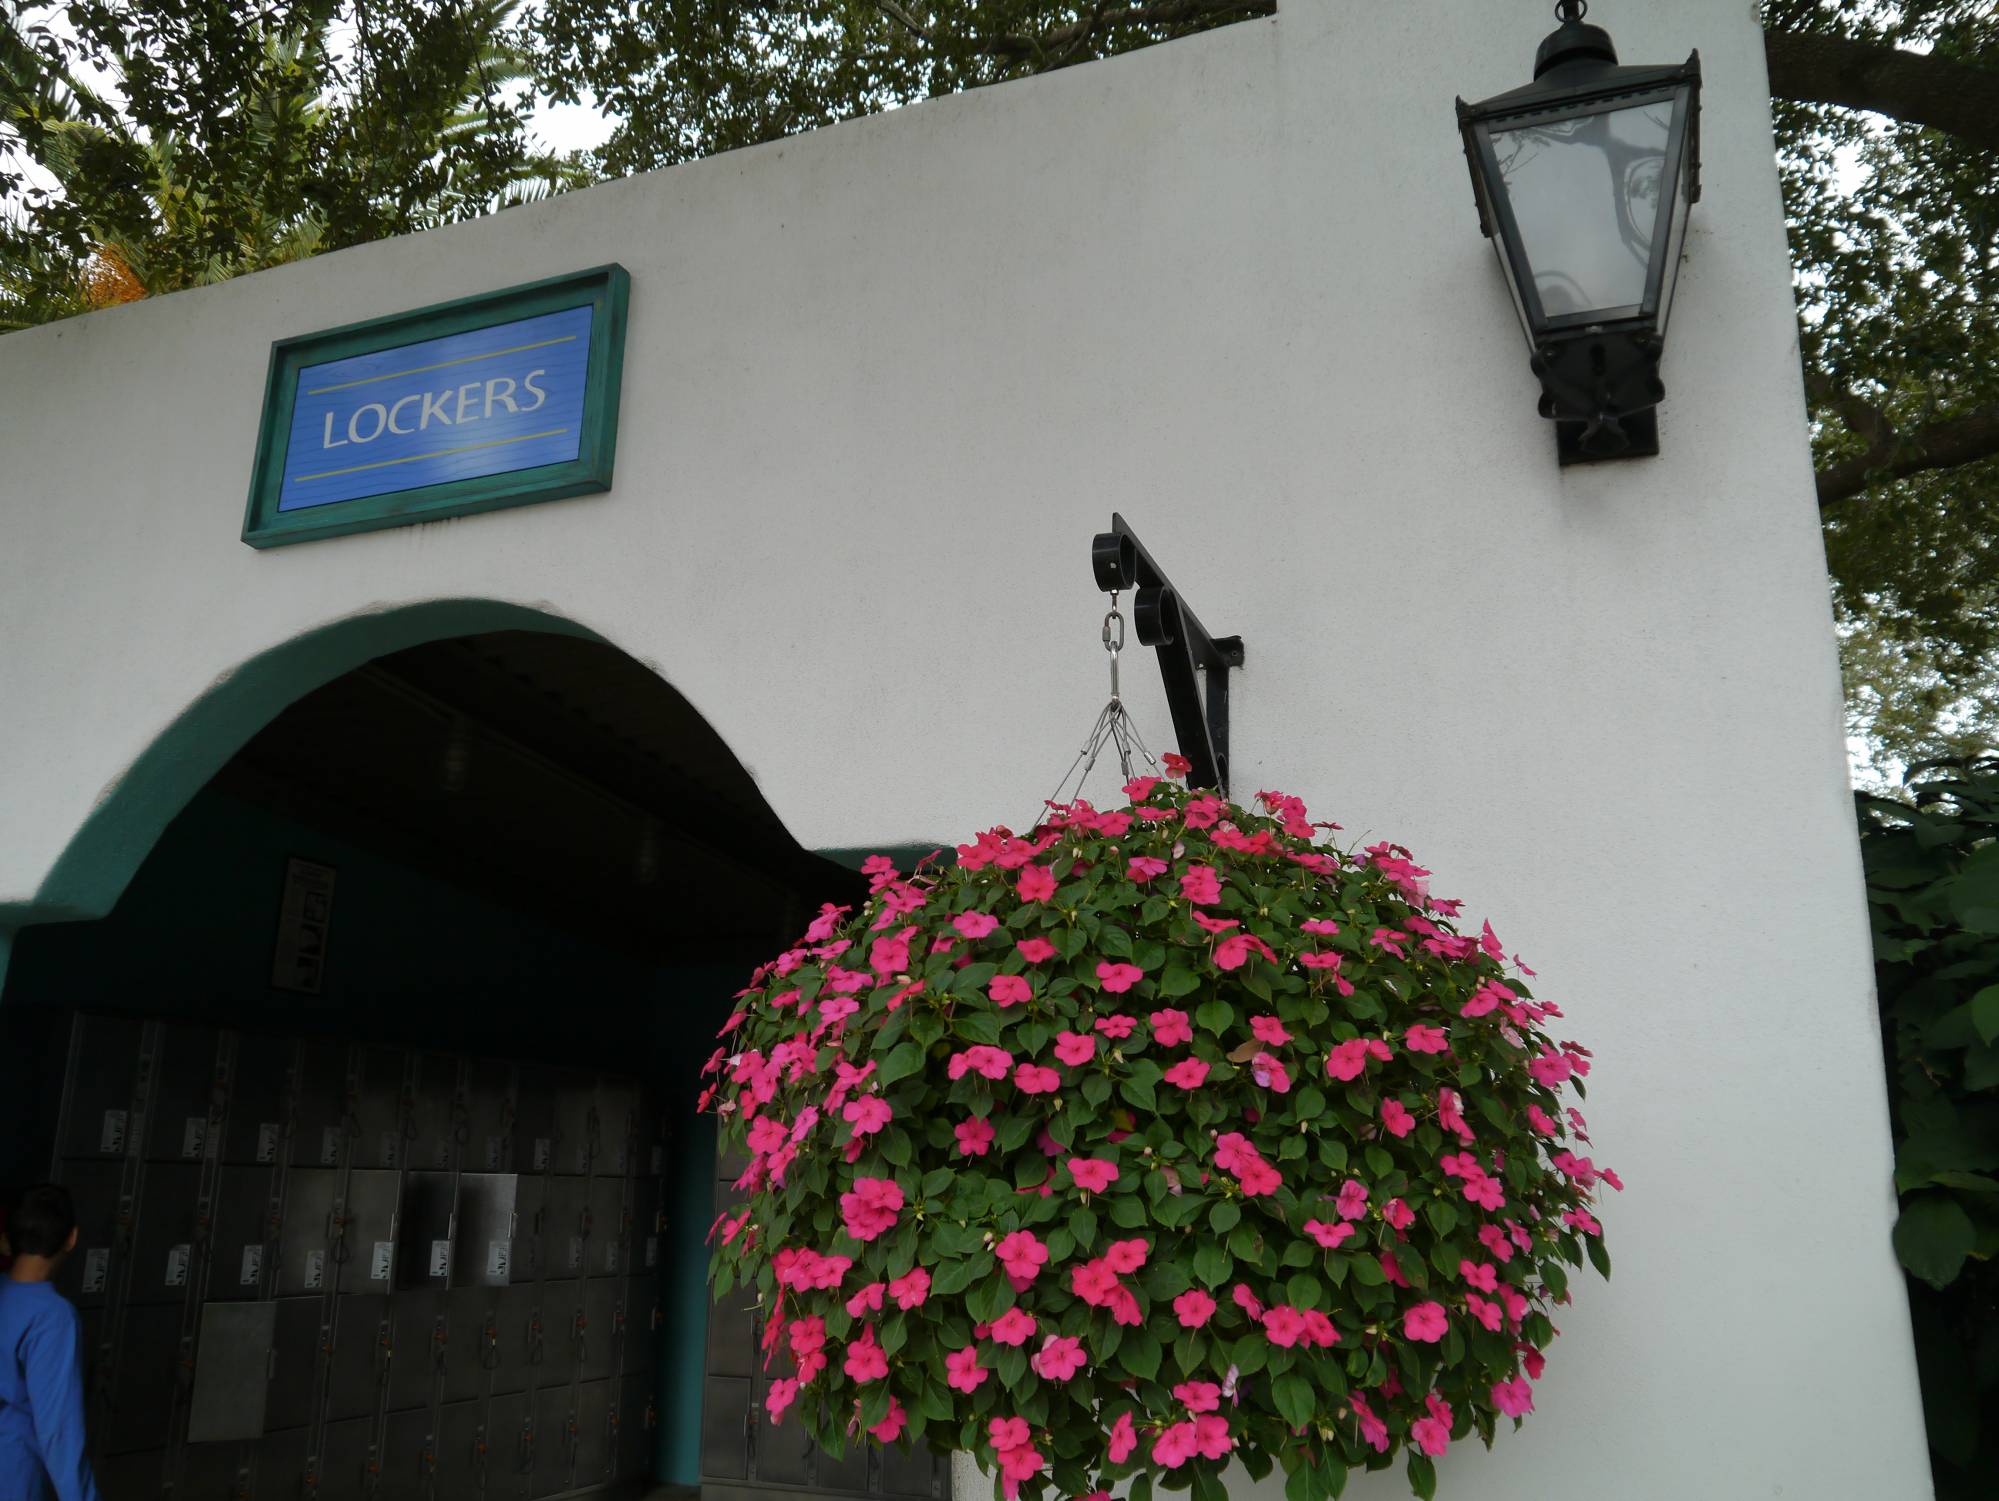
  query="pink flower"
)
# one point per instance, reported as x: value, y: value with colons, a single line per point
x: 965, y: 1371
x: 1075, y: 1048
x: 1118, y: 978
x: 1325, y: 927
x: 911, y: 1289
x: 1036, y: 883
x: 1422, y: 1039
x: 784, y: 1391
x: 1495, y: 1242
x: 1125, y: 1256
x: 1123, y: 1438
x: 1170, y: 1028
x: 1059, y: 1358
x: 1396, y: 1119
x: 1093, y: 1174
x: 1201, y: 886
x: 1144, y: 868
x: 1332, y: 1237
x: 1315, y: 959
x: 974, y: 924
x: 1514, y: 1398
x: 889, y: 956
x: 1012, y: 1327
x: 1371, y: 1427
x: 1234, y: 951
x: 1319, y: 1329
x: 865, y: 1361
x: 1194, y: 1308
x: 1398, y: 1214
x: 1425, y: 1323
x: 1138, y: 789
x: 975, y: 1137
x: 1199, y: 1396
x: 1479, y: 1274
x: 1022, y: 1255
x: 1583, y: 1220
x: 1010, y: 990
x: 1486, y: 1312
x: 868, y: 1114
x: 1008, y: 1433
x: 1352, y: 1203
x: 1431, y: 1436
x: 889, y: 1429
x: 1094, y: 1282
x: 1116, y: 1028
x: 1269, y: 1073
x: 1036, y: 950
x: 1284, y: 1326
x: 1247, y: 1301
x: 986, y: 1062
x: 1269, y: 1030
x: 867, y: 1300
x: 1032, y: 1078
x: 1348, y: 1060
x: 871, y: 1206
x: 1540, y: 1121
x: 1176, y: 1446
x: 1188, y: 1073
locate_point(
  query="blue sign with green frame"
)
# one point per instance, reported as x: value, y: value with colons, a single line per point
x: 490, y: 401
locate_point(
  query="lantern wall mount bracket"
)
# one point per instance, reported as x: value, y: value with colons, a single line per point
x: 1185, y: 650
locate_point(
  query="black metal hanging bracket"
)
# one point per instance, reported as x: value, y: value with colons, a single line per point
x: 1184, y: 647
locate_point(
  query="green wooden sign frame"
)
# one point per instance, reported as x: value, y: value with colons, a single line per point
x: 604, y: 289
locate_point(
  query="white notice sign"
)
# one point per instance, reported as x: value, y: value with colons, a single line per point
x: 493, y: 1153
x: 96, y: 1268
x: 440, y: 1257
x: 541, y: 1152
x: 315, y: 1271
x: 652, y: 1251
x: 498, y: 1261
x: 267, y: 1142
x: 378, y: 1263
x: 193, y: 1136
x: 329, y: 1147
x: 304, y: 915
x: 610, y: 1255
x: 575, y: 1253
x: 177, y: 1260
x: 391, y: 1144
x: 112, y: 1139
x: 253, y: 1267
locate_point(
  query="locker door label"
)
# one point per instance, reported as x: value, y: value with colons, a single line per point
x: 610, y: 1255
x: 542, y: 1147
x: 499, y: 1262
x: 575, y: 1253
x: 329, y: 1147
x: 177, y: 1259
x: 194, y: 1136
x: 442, y: 1156
x: 493, y: 1153
x: 253, y: 1267
x: 267, y: 1142
x: 391, y: 1144
x: 379, y: 1261
x: 96, y: 1268
x: 652, y: 1251
x: 583, y: 1157
x: 440, y: 1257
x: 315, y: 1270
x: 618, y: 1161
x: 113, y: 1137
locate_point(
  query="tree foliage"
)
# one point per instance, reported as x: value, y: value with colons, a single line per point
x: 1933, y: 893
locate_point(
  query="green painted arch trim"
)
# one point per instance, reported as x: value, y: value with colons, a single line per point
x: 121, y: 830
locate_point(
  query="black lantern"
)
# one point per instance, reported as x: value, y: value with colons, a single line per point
x: 1584, y: 178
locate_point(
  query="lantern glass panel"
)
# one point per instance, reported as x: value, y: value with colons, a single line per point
x: 1584, y: 194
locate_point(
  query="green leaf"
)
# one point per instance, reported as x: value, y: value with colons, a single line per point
x: 1096, y: 1088
x: 1138, y: 1090
x: 1083, y: 1225
x: 1178, y: 980
x: 1140, y: 1352
x: 1933, y: 1237
x: 1212, y: 1264
x: 1599, y: 1256
x: 904, y: 1061
x: 1224, y: 1217
x: 1974, y: 894
x: 1302, y: 1484
x: 1294, y: 1398
x: 1985, y: 1013
x: 1215, y: 1016
x: 1114, y: 941
x: 1422, y: 1476
x: 1311, y: 1103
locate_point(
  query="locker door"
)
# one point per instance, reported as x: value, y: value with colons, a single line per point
x: 369, y: 1242
x: 281, y: 1466
x: 634, y: 1438
x: 297, y: 1354
x: 463, y: 1454
x: 407, y: 1456
x: 437, y: 1115
x: 607, y: 1252
x: 259, y: 1110
x: 598, y: 1352
x: 510, y: 1442
x: 514, y: 1313
x: 359, y: 1363
x: 92, y: 1269
x: 469, y: 1312
x: 305, y: 1239
x: 566, y: 1227
x: 489, y: 1118
x: 593, y: 1433
x: 344, y: 1461
x: 238, y: 1236
x: 417, y: 1322
x: 423, y: 1230
x: 100, y: 1093
x: 555, y: 1441
x: 132, y: 1477
x: 483, y: 1253
x: 534, y: 1121
x: 184, y: 1095
x: 530, y: 1216
x: 725, y: 1428
x: 617, y: 1119
x: 211, y: 1472
x: 166, y: 1240
x: 641, y: 1310
x: 147, y: 1363
x: 322, y: 1129
x: 379, y: 1110
x: 560, y: 1303
x: 578, y: 1129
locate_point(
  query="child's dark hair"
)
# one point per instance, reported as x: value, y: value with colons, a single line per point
x: 40, y: 1220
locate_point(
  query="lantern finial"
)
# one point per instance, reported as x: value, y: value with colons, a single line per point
x: 1573, y: 41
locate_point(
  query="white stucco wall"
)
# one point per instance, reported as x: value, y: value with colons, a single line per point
x: 881, y: 385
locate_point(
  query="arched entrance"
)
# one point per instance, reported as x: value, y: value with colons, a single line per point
x: 371, y: 1066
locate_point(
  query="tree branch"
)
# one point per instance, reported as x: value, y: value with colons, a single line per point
x: 1943, y: 444
x: 1144, y: 13
x: 1958, y: 98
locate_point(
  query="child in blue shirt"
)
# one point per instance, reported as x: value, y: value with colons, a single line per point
x: 41, y: 1375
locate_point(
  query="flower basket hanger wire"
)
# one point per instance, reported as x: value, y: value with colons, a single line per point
x: 1184, y: 649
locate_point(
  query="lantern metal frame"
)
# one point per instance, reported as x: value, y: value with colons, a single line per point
x: 1599, y: 367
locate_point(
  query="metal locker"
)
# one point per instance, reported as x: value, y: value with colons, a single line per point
x: 593, y: 1433
x: 634, y: 1435
x: 725, y: 1428
x: 132, y: 1477
x: 732, y: 1334
x: 530, y: 1215
x: 322, y: 1126
x: 407, y: 1457
x: 305, y: 1238
x: 555, y: 1440
x: 238, y: 1234
x: 647, y: 1245
x: 578, y: 1129
x: 295, y: 1357
x: 847, y: 1473
x: 783, y: 1450
x: 483, y: 1252
x: 89, y: 1273
x: 232, y: 1363
x: 642, y: 1317
x: 147, y: 1364
x: 463, y: 1453
x: 559, y: 1306
x: 381, y: 1115
x: 489, y: 1117
x: 597, y: 1346
x: 344, y: 1461
x: 510, y: 1446
x: 566, y: 1227
x: 106, y: 1054
x: 915, y: 1474
x: 359, y: 1362
x: 437, y: 1124
x: 534, y: 1121
x: 421, y: 1338
x: 423, y: 1230
x: 167, y: 1237
x: 649, y: 1160
x: 211, y: 1472
x: 618, y: 1124
x: 280, y: 1461
x: 470, y: 1313
x: 608, y: 1249
x: 184, y: 1095
x: 367, y: 1257
x: 510, y: 1347
x: 259, y: 1105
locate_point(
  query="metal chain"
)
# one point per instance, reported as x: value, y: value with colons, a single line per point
x: 1114, y: 726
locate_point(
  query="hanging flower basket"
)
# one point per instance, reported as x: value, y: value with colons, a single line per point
x: 1156, y: 1140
